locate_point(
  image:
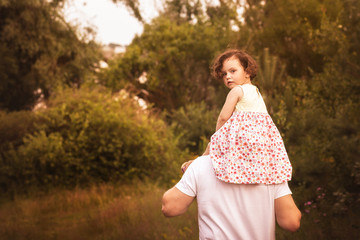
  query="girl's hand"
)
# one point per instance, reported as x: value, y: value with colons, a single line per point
x: 185, y: 165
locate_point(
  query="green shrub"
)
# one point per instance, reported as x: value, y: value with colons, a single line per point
x: 90, y: 136
x: 14, y: 126
x: 194, y: 124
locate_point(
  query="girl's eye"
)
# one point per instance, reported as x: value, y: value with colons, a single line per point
x: 232, y: 71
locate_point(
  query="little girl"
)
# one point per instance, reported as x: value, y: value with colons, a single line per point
x: 247, y: 147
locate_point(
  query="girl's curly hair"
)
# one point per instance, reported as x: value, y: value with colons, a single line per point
x: 247, y: 62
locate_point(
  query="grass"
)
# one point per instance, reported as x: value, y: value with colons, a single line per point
x: 131, y: 211
x: 100, y: 212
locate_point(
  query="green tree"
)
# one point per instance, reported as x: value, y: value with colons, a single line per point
x: 287, y: 27
x: 40, y: 51
x: 194, y: 124
x: 175, y: 52
x: 133, y: 6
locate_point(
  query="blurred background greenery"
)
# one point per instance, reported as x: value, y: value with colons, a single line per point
x: 96, y: 146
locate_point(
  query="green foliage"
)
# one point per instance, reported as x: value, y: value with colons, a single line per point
x: 322, y: 134
x: 89, y: 136
x: 270, y: 78
x: 14, y: 126
x: 133, y: 6
x: 184, y: 9
x: 40, y: 51
x: 319, y: 124
x: 175, y: 54
x: 269, y: 74
x: 194, y: 124
x: 287, y: 27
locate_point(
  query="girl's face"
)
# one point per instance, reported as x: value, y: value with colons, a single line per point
x: 233, y: 73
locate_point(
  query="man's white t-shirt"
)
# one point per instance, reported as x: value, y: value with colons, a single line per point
x: 227, y: 210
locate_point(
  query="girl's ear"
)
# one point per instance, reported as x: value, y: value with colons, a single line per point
x: 247, y: 75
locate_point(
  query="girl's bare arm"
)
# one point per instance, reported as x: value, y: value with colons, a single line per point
x: 232, y: 98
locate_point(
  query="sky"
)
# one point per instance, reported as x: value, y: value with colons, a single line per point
x: 112, y: 22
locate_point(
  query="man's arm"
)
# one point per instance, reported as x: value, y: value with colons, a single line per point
x: 175, y: 202
x: 287, y: 214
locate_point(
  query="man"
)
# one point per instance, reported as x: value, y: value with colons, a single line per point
x: 231, y: 211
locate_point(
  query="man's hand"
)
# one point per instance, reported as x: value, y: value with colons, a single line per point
x: 185, y: 165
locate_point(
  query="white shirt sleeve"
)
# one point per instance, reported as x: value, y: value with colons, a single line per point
x: 187, y: 183
x: 282, y: 189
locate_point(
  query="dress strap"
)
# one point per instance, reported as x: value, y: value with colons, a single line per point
x: 257, y: 90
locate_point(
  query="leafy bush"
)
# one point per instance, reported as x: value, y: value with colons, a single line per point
x: 322, y: 138
x: 89, y: 136
x: 14, y: 126
x: 193, y: 125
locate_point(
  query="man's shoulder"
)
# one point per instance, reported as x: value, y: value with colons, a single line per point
x: 202, y: 167
x: 201, y: 161
x: 203, y: 158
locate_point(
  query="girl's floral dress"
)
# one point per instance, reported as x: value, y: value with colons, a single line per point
x: 248, y: 148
